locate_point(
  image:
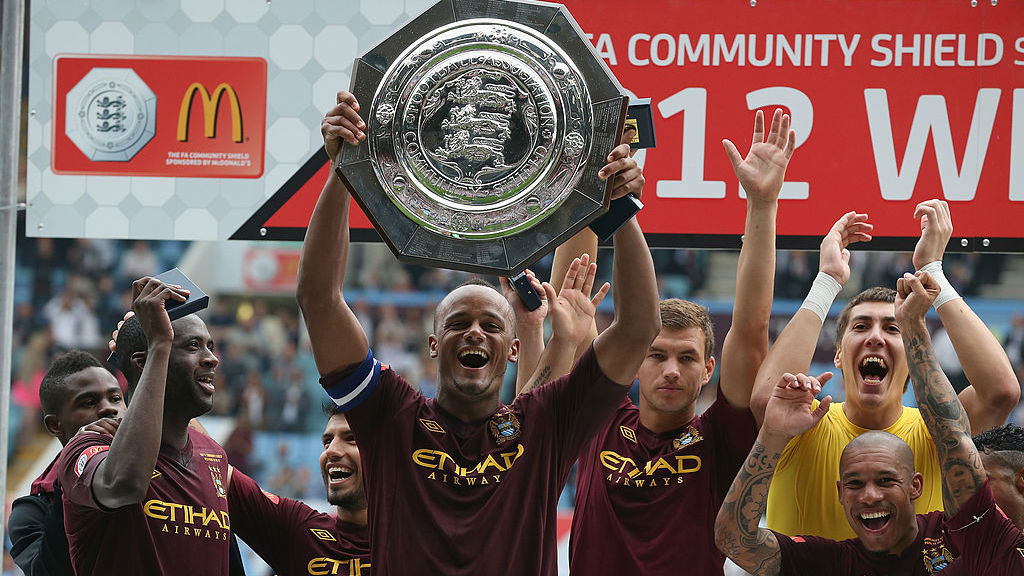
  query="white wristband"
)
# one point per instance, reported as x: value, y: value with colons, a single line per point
x: 823, y: 292
x: 946, y: 290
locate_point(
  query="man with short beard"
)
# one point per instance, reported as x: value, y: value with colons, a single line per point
x: 294, y: 539
x: 878, y: 482
x: 461, y: 484
x: 151, y: 499
x: 874, y: 366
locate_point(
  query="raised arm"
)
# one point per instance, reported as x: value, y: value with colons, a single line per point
x: 994, y: 389
x: 529, y: 329
x: 122, y: 478
x: 794, y: 348
x: 572, y: 316
x: 962, y: 470
x: 622, y: 346
x: 584, y: 242
x: 788, y: 414
x: 337, y: 337
x: 761, y: 174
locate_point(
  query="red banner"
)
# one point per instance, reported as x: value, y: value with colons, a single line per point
x: 893, y: 102
x: 174, y: 116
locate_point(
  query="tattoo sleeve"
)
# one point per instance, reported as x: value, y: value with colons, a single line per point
x: 962, y: 470
x: 737, y: 533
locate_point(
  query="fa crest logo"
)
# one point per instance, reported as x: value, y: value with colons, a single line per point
x: 691, y: 436
x: 218, y: 481
x: 110, y: 114
x: 504, y: 426
x: 935, y: 555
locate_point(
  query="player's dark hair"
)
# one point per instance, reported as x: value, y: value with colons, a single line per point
x: 1005, y: 444
x: 130, y: 339
x: 874, y: 294
x: 330, y: 408
x: 683, y: 314
x: 53, y: 389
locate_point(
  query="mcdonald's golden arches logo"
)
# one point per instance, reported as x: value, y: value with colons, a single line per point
x: 211, y: 107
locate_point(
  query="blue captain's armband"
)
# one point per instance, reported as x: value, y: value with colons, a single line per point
x: 349, y: 388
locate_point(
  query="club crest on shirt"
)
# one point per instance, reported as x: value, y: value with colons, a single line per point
x: 935, y: 555
x: 628, y: 433
x: 691, y: 436
x: 218, y: 481
x: 323, y: 534
x: 432, y: 426
x: 504, y: 426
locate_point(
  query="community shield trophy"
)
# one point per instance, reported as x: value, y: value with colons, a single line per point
x: 488, y: 121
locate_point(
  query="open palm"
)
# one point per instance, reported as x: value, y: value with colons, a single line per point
x: 572, y: 310
x: 762, y: 172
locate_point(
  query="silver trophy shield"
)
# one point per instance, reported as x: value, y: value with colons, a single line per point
x: 487, y: 125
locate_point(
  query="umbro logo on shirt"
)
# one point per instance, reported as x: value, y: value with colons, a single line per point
x: 323, y: 534
x: 432, y: 426
x: 628, y: 434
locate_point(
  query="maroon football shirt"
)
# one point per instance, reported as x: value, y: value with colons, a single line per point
x: 979, y: 540
x: 646, y: 503
x: 181, y: 526
x: 450, y: 497
x: 293, y: 538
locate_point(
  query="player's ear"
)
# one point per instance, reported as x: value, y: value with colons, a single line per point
x: 52, y: 424
x: 513, y: 351
x: 432, y: 345
x: 916, y: 486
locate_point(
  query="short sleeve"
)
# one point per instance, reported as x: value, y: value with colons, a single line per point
x: 733, y: 430
x: 391, y: 395
x: 812, y: 555
x: 77, y: 465
x: 262, y: 519
x: 988, y: 541
x: 582, y: 402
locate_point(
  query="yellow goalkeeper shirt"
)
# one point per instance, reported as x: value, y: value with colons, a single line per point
x: 803, y: 499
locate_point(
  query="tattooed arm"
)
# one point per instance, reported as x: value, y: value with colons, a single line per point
x: 788, y: 414
x: 572, y: 316
x: 962, y: 471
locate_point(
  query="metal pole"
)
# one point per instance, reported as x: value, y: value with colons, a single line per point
x: 11, y: 40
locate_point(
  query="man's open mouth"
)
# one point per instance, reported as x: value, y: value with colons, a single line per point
x: 875, y: 521
x: 473, y: 358
x: 873, y: 369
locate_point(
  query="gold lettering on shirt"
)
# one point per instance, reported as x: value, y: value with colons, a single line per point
x: 663, y: 471
x: 481, y: 473
x: 330, y: 566
x: 188, y: 520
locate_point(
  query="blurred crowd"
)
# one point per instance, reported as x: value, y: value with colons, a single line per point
x: 70, y: 293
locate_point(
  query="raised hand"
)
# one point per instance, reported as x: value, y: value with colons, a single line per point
x: 789, y: 412
x: 915, y: 294
x: 150, y: 297
x: 762, y: 172
x: 342, y: 122
x: 112, y: 343
x: 834, y: 258
x: 573, y: 309
x: 101, y: 426
x: 628, y: 176
x: 936, y: 230
x: 523, y: 316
